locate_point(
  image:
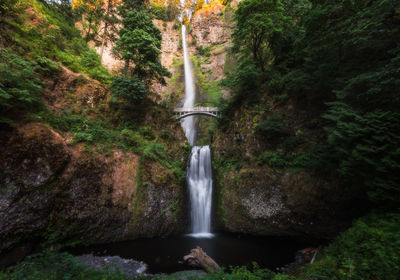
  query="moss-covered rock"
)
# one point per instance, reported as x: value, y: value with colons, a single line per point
x: 259, y: 198
x: 50, y: 191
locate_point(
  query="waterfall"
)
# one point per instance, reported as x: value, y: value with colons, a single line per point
x: 199, y: 180
x: 188, y: 122
x: 199, y: 172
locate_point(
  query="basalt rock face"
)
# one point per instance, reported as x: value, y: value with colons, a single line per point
x: 52, y: 191
x: 55, y: 191
x: 170, y: 51
x: 211, y: 27
x: 255, y: 198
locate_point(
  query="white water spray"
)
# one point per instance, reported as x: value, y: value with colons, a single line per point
x: 199, y: 171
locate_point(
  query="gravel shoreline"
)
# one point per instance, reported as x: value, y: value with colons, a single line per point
x: 128, y: 267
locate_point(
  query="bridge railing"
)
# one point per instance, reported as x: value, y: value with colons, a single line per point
x: 196, y: 109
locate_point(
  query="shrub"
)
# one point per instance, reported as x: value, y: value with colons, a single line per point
x: 131, y: 138
x: 204, y: 51
x: 272, y: 159
x: 19, y: 87
x: 48, y: 67
x: 273, y: 129
x: 130, y: 91
x: 370, y: 249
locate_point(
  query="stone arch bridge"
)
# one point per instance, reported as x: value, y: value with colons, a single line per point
x: 181, y: 113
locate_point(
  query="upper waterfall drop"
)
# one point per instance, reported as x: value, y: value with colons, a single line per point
x: 188, y: 102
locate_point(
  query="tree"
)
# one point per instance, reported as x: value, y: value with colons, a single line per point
x: 130, y: 5
x: 110, y: 21
x: 92, y: 13
x: 257, y: 22
x: 345, y: 65
x: 139, y: 46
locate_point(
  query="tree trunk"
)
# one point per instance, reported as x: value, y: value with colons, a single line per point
x: 103, y: 41
x: 126, y: 67
x: 199, y: 258
x: 105, y: 33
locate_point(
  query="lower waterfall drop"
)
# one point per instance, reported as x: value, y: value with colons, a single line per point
x: 199, y: 180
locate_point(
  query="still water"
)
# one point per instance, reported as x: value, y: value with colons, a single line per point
x: 163, y: 254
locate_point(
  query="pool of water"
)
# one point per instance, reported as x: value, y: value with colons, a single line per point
x: 164, y: 254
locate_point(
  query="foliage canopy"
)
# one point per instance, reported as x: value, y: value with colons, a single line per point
x: 340, y: 59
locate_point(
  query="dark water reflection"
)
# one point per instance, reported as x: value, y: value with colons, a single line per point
x: 163, y: 254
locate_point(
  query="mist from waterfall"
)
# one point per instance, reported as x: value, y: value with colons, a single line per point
x: 199, y: 171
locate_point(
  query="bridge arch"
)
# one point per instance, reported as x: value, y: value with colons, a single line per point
x: 181, y: 113
x: 196, y: 113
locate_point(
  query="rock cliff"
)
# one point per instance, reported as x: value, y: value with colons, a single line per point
x: 254, y: 197
x: 52, y: 190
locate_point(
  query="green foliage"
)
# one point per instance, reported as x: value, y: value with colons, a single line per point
x: 19, y: 87
x: 258, y: 21
x: 8, y: 8
x: 273, y: 129
x: 338, y: 62
x: 162, y: 12
x: 48, y: 68
x: 140, y: 43
x: 131, y: 91
x: 55, y: 39
x: 367, y: 146
x: 55, y: 266
x: 140, y: 140
x: 273, y: 159
x: 204, y: 51
x: 244, y: 82
x: 363, y: 133
x: 83, y: 128
x: 92, y: 13
x: 370, y: 249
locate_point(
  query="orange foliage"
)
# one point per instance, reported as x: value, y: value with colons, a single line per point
x: 94, y: 4
x: 216, y: 6
x: 91, y: 4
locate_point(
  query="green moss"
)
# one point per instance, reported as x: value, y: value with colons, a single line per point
x: 210, y: 89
